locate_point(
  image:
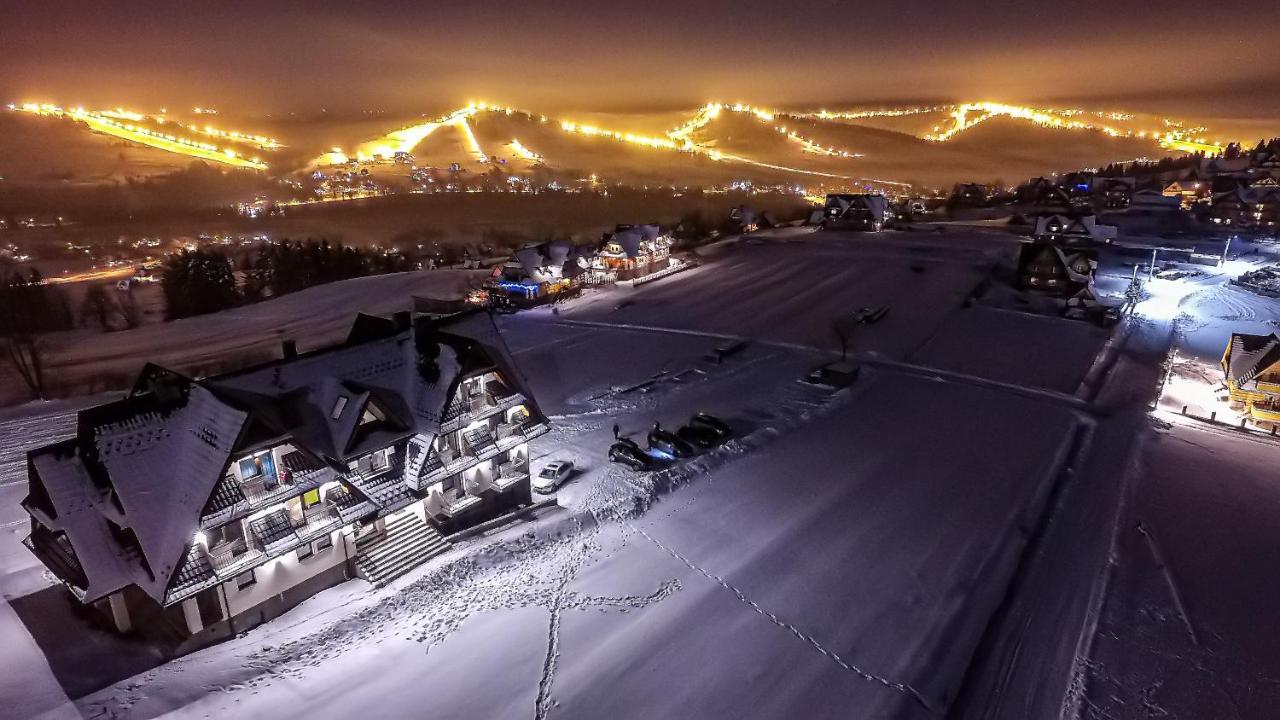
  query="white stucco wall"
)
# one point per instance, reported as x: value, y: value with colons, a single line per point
x: 282, y: 573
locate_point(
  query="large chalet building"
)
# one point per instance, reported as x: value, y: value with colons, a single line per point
x: 1251, y: 368
x: 192, y: 509
x: 1255, y: 206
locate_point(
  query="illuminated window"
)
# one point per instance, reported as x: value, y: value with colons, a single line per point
x: 311, y: 497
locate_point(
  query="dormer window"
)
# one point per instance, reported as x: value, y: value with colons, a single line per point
x: 338, y: 406
x: 372, y: 413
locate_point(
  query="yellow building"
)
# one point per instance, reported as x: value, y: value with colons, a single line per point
x: 1251, y: 364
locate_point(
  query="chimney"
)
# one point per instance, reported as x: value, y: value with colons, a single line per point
x: 288, y: 349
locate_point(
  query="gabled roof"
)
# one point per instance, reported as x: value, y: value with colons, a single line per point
x: 130, y: 489
x: 1248, y: 356
x: 310, y: 388
x: 140, y: 470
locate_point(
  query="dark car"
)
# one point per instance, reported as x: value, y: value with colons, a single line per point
x: 713, y: 423
x: 628, y: 453
x: 667, y: 442
x: 699, y: 436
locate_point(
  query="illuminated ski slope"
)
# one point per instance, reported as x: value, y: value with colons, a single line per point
x: 130, y: 126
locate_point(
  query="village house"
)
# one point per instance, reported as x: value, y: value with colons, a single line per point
x: 632, y: 252
x: 1117, y: 192
x: 1072, y: 229
x: 538, y: 273
x: 856, y: 211
x: 1149, y: 200
x: 1251, y: 366
x: 1255, y: 207
x: 1052, y: 268
x: 195, y: 508
x: 970, y: 195
x: 1188, y: 192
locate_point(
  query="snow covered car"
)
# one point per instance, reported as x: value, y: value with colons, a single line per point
x: 551, y: 476
x: 667, y: 442
x: 628, y: 453
x: 699, y: 436
x: 713, y: 423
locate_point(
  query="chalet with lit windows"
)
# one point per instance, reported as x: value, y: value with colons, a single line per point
x: 1251, y: 366
x: 537, y: 274
x: 1072, y: 229
x: 1189, y: 191
x: 632, y: 252
x: 1052, y: 268
x: 1117, y: 192
x: 971, y: 195
x: 193, y: 509
x: 856, y: 211
x: 1255, y: 207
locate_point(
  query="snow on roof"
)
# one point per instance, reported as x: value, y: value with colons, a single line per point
x: 386, y: 370
x: 162, y: 457
x: 77, y: 504
x: 1248, y: 356
x: 164, y: 467
x: 630, y: 241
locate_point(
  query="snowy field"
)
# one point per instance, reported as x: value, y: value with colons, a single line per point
x: 952, y: 536
x: 1191, y: 622
x: 89, y: 361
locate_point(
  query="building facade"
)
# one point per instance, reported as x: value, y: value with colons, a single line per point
x: 633, y: 252
x: 1251, y: 368
x: 193, y: 509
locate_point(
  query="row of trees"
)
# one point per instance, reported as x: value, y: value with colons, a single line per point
x: 1165, y: 164
x: 202, y: 281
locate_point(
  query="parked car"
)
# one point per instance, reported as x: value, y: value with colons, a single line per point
x: 551, y: 476
x: 665, y: 441
x: 713, y: 423
x: 626, y: 452
x: 699, y: 436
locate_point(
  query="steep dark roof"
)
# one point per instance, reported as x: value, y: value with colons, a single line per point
x: 130, y: 490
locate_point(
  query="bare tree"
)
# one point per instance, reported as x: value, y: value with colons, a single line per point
x: 29, y: 308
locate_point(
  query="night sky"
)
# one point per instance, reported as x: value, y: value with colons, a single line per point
x: 1188, y: 56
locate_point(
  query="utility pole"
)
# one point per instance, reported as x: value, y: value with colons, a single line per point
x: 1225, y: 247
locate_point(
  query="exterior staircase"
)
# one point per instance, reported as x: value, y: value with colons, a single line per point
x: 409, y: 542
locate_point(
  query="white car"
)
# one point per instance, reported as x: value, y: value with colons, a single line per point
x: 551, y: 476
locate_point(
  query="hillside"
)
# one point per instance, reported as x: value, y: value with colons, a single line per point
x: 46, y: 146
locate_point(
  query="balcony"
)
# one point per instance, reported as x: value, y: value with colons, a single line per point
x: 466, y: 410
x: 232, y: 558
x: 509, y: 434
x: 446, y: 462
x: 509, y: 475
x: 450, y: 503
x: 318, y: 520
x: 233, y: 499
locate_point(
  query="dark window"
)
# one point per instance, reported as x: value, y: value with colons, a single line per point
x: 246, y: 579
x: 324, y: 543
x: 304, y: 552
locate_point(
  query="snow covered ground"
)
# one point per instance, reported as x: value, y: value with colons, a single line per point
x: 945, y: 538
x: 90, y: 361
x: 1191, y: 622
